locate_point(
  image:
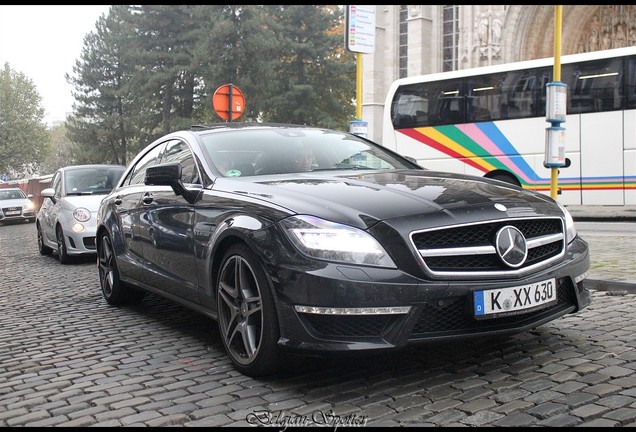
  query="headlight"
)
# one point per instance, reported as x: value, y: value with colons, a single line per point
x: 570, y: 229
x: 28, y: 206
x: 330, y: 241
x: 81, y: 214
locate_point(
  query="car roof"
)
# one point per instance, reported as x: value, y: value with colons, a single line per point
x: 90, y: 166
x: 245, y: 125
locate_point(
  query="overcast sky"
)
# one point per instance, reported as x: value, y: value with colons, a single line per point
x: 43, y: 43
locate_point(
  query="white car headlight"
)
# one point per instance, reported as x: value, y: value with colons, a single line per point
x: 570, y: 229
x: 330, y: 241
x: 28, y: 206
x: 81, y: 214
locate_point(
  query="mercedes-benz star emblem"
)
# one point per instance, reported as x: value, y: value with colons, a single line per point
x: 511, y: 246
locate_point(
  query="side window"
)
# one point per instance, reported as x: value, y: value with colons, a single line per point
x: 56, y: 183
x: 594, y: 86
x: 150, y: 158
x: 630, y: 83
x: 178, y: 151
x: 520, y: 90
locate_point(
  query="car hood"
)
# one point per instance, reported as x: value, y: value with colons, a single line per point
x: 14, y: 202
x: 366, y: 198
x: 90, y: 202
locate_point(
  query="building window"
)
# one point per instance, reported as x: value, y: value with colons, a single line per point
x: 450, y: 37
x: 403, y: 43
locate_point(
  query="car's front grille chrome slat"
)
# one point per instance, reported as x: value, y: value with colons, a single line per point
x: 469, y: 250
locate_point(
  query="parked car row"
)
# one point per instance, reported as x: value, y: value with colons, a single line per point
x: 315, y: 241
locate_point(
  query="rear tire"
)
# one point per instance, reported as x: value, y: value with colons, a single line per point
x: 247, y: 316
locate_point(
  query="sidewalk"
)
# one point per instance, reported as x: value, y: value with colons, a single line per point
x: 613, y: 254
x: 603, y: 213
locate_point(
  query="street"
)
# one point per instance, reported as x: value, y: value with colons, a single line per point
x: 69, y: 359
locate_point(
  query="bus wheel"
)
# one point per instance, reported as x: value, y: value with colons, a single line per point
x: 508, y: 178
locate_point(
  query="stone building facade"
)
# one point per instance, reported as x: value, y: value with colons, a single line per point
x: 422, y: 39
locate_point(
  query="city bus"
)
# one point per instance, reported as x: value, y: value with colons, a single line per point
x: 491, y: 121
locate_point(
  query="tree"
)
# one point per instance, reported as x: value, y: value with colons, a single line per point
x: 314, y: 76
x: 24, y: 140
x: 152, y: 69
x: 105, y: 116
x: 63, y: 151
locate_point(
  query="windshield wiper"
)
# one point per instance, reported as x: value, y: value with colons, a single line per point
x: 339, y: 167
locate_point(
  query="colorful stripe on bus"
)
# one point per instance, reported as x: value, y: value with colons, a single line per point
x: 484, y: 147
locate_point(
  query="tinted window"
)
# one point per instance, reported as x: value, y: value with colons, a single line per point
x: 272, y: 151
x: 178, y: 151
x: 593, y: 86
x: 151, y: 158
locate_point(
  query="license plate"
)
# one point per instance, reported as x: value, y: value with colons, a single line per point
x: 11, y: 213
x: 514, y: 300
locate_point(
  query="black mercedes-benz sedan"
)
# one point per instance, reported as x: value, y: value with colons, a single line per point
x: 317, y: 241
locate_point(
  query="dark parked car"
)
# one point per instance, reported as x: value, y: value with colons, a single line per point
x: 355, y: 249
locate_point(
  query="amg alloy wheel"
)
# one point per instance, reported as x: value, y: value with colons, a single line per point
x: 113, y: 289
x: 247, y: 314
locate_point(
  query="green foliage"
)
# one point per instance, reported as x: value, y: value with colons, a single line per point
x: 24, y: 140
x: 149, y: 69
x: 63, y: 151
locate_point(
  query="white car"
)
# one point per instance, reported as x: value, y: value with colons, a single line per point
x: 66, y: 220
x: 16, y: 206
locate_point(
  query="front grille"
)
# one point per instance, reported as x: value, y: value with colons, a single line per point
x: 6, y: 210
x: 348, y: 326
x: 470, y: 249
x: 455, y: 315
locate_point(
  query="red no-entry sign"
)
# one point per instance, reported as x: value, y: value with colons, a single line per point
x: 228, y: 102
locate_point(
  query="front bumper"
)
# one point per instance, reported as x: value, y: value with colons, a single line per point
x: 439, y: 311
x: 28, y: 216
x: 80, y: 243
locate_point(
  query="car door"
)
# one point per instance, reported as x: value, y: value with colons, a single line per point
x: 127, y: 203
x: 166, y: 228
x: 50, y: 209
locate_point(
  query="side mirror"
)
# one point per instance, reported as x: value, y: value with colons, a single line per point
x: 169, y: 174
x: 48, y: 193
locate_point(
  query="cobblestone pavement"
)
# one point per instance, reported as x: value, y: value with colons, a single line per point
x: 613, y: 257
x: 68, y: 359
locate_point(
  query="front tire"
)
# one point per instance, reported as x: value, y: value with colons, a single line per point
x: 247, y: 314
x: 114, y: 291
x: 42, y: 247
x: 62, y: 252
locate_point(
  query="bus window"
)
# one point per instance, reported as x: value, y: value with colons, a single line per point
x: 630, y: 83
x: 593, y: 86
x: 522, y: 94
x: 428, y: 104
x: 485, y: 97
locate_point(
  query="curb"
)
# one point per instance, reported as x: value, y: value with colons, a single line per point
x: 609, y: 285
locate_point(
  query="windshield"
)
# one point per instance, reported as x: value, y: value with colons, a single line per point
x: 265, y: 151
x: 91, y: 180
x: 11, y: 194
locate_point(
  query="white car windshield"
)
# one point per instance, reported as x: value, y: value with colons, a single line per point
x: 11, y: 194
